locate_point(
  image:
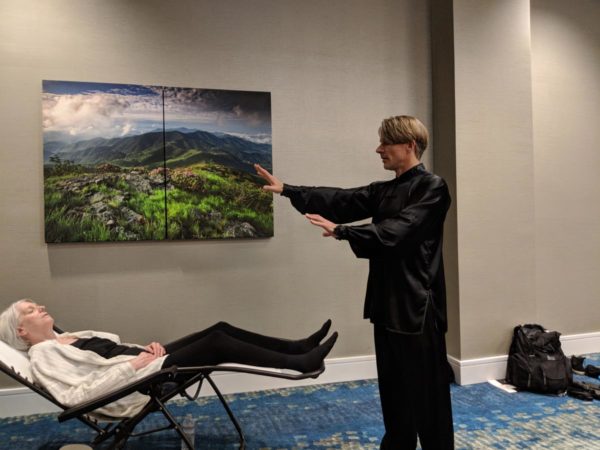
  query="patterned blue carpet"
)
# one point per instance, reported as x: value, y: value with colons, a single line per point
x: 344, y: 416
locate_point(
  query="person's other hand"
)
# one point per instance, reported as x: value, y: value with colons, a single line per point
x: 155, y: 348
x: 320, y: 221
x: 275, y: 185
x: 142, y: 360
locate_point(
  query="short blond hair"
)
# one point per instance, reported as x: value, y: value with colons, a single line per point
x: 403, y: 130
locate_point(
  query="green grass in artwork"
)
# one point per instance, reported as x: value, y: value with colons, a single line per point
x: 204, y: 201
x: 211, y: 201
x: 260, y: 220
x: 60, y: 227
x: 193, y: 216
x: 152, y: 206
x: 214, y: 181
x: 83, y: 207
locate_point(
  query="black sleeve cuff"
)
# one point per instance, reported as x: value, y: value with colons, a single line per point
x: 340, y: 232
x: 288, y: 190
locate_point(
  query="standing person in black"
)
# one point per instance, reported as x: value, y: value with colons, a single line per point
x: 406, y: 295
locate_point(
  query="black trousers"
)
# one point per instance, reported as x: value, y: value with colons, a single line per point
x: 414, y: 386
x: 222, y: 343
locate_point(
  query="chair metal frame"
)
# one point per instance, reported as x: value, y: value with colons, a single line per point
x: 161, y: 387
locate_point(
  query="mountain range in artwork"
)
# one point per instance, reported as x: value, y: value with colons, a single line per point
x: 129, y: 163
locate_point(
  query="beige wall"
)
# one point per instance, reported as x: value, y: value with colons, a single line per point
x: 523, y: 157
x: 334, y: 69
x: 566, y: 131
x: 494, y: 172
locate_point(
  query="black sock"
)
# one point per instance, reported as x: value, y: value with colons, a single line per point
x: 312, y: 360
x: 301, y: 346
x: 315, y: 339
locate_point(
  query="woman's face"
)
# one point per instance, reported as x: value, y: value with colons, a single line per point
x: 33, y: 319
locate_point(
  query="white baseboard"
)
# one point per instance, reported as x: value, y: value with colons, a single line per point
x: 478, y: 370
x: 21, y: 401
x: 580, y: 344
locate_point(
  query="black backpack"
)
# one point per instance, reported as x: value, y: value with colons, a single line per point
x: 536, y: 361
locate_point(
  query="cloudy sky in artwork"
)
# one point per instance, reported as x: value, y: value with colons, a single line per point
x: 77, y: 111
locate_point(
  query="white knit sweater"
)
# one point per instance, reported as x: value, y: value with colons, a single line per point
x: 74, y: 376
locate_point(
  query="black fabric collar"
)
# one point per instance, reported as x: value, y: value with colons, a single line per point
x: 419, y: 168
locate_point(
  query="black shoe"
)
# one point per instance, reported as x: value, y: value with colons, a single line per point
x: 592, y: 388
x: 581, y: 394
x: 577, y: 364
x: 592, y: 371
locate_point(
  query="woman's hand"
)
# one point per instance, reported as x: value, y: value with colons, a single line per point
x: 275, y: 185
x: 320, y: 221
x: 142, y: 360
x: 156, y: 349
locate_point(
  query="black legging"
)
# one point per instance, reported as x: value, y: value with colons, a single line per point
x: 224, y: 343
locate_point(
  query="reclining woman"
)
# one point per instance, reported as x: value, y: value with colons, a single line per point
x: 76, y: 367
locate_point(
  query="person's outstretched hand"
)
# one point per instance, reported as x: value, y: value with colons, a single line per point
x: 275, y: 185
x: 320, y: 221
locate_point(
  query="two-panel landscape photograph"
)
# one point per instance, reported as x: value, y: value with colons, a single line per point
x: 130, y: 162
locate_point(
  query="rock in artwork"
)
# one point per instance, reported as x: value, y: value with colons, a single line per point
x: 130, y: 163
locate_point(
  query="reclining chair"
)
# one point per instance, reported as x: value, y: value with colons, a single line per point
x: 160, y: 386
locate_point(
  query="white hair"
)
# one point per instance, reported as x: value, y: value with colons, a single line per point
x: 9, y: 322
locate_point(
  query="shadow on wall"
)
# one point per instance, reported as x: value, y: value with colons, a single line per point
x: 123, y: 257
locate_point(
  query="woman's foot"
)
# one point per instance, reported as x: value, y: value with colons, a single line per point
x: 313, y: 360
x: 301, y: 346
x: 315, y: 339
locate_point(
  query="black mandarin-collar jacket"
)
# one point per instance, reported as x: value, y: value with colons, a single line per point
x: 403, y: 243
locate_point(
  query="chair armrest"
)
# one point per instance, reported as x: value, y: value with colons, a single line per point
x: 139, y: 385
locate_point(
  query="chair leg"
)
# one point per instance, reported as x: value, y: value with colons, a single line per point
x: 102, y: 436
x: 163, y: 409
x: 229, y: 412
x: 122, y: 432
x: 121, y: 438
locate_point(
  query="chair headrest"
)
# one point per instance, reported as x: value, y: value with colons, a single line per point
x: 17, y: 360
